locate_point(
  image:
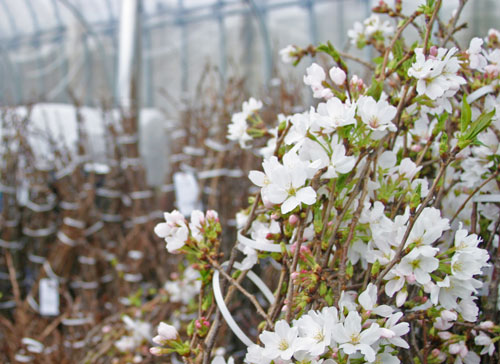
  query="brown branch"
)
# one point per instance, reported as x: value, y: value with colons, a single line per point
x: 298, y: 243
x: 429, y: 25
x: 454, y: 21
x: 353, y: 195
x: 350, y: 236
x: 357, y: 59
x: 247, y: 294
x: 412, y: 221
x: 393, y: 42
x: 472, y: 195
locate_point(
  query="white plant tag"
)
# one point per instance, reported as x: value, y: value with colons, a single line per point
x: 49, y: 297
x: 186, y: 192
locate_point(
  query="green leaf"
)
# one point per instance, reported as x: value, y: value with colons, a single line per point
x: 190, y: 328
x: 322, y: 289
x: 349, y: 270
x: 375, y: 89
x: 329, y: 297
x: 329, y: 49
x: 318, y: 221
x: 397, y: 50
x: 474, y: 129
x: 440, y: 124
x: 466, y: 116
x: 443, y: 145
x: 375, y: 268
x: 207, y: 301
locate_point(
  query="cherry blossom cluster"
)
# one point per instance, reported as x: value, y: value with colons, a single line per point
x: 377, y: 207
x: 178, y: 233
x: 359, y: 329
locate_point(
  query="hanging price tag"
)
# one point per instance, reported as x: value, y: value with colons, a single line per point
x: 49, y: 297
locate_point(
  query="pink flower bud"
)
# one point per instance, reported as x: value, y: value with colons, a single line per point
x: 435, y: 352
x: 445, y: 335
x: 267, y: 204
x: 160, y: 340
x: 285, y: 307
x: 293, y: 219
x: 401, y: 298
x: 167, y: 331
x: 454, y: 349
x: 416, y: 148
x: 295, y: 275
x: 486, y: 325
x: 156, y: 351
x: 448, y: 315
x: 212, y: 215
x: 491, y: 70
x: 433, y: 51
x: 197, y: 324
x: 337, y: 75
x: 274, y: 216
x: 304, y: 249
x: 106, y: 329
x: 411, y: 278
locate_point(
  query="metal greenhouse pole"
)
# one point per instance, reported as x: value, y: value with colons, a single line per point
x: 128, y: 90
x: 127, y: 86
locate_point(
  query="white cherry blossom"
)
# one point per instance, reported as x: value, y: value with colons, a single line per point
x: 282, y: 343
x: 353, y: 338
x: 377, y: 115
x: 174, y: 230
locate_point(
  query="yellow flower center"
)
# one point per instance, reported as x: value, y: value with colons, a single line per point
x: 319, y: 336
x: 355, y: 338
x: 283, y: 345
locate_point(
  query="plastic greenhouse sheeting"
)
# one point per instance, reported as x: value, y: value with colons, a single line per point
x: 50, y: 46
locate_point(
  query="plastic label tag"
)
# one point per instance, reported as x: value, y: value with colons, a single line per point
x: 49, y: 297
x: 186, y: 192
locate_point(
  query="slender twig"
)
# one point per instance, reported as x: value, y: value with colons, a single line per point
x: 430, y: 24
x: 12, y: 277
x: 350, y: 236
x: 393, y: 42
x: 425, y: 343
x: 357, y: 59
x: 403, y: 101
x: 414, y: 344
x: 340, y: 217
x: 247, y: 294
x: 298, y: 243
x: 276, y: 304
x: 422, y: 153
x: 406, y: 57
x: 493, y: 233
x: 472, y: 195
x: 412, y: 221
x: 454, y: 22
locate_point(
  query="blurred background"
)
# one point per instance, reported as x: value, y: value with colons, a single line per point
x: 113, y: 111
